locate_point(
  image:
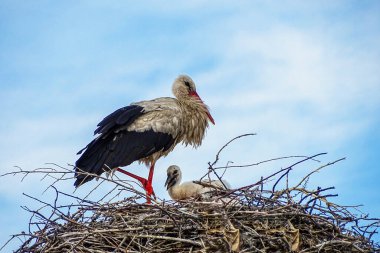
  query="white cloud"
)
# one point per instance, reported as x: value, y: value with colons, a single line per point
x: 285, y: 82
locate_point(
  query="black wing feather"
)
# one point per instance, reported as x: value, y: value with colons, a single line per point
x: 109, y: 153
x: 117, y: 148
x: 122, y: 116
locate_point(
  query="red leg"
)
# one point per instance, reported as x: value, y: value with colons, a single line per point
x: 143, y: 181
x: 149, y: 189
x: 146, y: 184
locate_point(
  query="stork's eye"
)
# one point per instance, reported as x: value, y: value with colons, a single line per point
x: 175, y: 172
x: 188, y: 85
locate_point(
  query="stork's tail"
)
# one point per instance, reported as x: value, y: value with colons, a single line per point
x: 92, y: 161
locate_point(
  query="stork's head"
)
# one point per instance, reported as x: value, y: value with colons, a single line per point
x: 184, y: 89
x: 174, y: 176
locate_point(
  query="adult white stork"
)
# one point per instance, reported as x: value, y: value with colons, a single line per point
x: 144, y: 132
x: 178, y: 191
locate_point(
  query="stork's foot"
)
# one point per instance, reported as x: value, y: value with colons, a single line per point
x: 149, y: 190
x: 145, y: 184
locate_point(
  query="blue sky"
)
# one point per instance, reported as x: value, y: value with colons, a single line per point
x: 303, y: 75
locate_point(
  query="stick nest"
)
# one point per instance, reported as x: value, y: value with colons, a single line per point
x: 266, y: 216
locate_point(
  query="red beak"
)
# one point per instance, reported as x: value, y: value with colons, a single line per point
x: 195, y: 94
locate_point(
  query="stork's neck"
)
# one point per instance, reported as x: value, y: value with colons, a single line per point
x: 173, y: 190
x: 194, y: 121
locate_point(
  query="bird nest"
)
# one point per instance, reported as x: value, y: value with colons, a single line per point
x: 266, y: 216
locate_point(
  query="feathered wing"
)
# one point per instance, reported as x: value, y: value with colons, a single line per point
x: 123, y: 138
x: 122, y: 116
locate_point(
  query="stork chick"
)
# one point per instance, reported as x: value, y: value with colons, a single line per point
x: 187, y: 190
